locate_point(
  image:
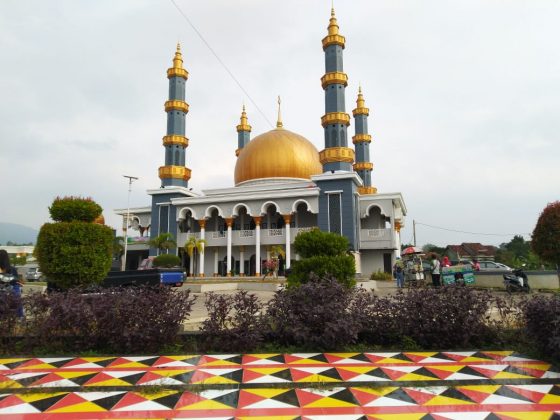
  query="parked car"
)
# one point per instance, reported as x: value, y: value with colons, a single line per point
x: 493, y: 266
x: 33, y: 274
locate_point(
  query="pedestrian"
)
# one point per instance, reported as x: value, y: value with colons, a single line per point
x: 476, y: 265
x: 445, y: 262
x: 9, y: 270
x: 436, y: 271
x: 398, y: 273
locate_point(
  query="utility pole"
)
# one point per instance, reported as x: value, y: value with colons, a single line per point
x: 414, y: 231
x: 130, y: 180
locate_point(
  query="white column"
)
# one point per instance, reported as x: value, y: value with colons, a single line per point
x: 216, y: 261
x: 191, y: 264
x: 229, y: 222
x: 202, y: 224
x: 398, y: 239
x: 258, y: 246
x: 241, y: 261
x: 287, y: 220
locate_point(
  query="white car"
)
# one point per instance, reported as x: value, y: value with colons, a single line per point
x: 493, y: 266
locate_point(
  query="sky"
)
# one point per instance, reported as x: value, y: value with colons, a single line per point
x: 464, y: 100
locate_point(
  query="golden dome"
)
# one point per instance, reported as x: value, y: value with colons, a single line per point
x: 100, y: 220
x: 278, y: 153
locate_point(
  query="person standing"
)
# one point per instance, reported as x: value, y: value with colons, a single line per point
x: 436, y: 272
x: 445, y: 262
x: 7, y: 269
x: 398, y: 271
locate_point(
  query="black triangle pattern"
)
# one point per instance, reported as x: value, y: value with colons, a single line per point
x: 425, y: 372
x: 482, y: 355
x: 46, y: 403
x: 319, y: 358
x: 428, y: 417
x: 277, y: 358
x: 29, y: 380
x: 288, y: 397
x: 14, y: 365
x: 192, y: 360
x: 150, y: 361
x: 555, y: 390
x: 230, y: 398
x: 443, y: 356
x: 60, y: 363
x: 331, y: 373
x: 506, y: 391
x: 467, y: 370
x: 401, y: 395
x: 345, y: 395
x: 516, y: 370
x: 283, y: 374
x: 108, y: 403
x: 402, y: 356
x: 456, y: 394
x: 361, y: 357
x: 184, y: 377
x: 236, y: 375
x: 132, y: 379
x: 80, y: 380
x: 169, y: 401
x: 492, y: 416
x: 105, y: 363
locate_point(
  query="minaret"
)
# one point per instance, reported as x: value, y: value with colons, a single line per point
x: 174, y: 173
x: 361, y: 143
x: 243, y: 132
x: 336, y: 156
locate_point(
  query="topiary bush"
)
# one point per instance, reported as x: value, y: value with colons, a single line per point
x: 315, y: 315
x: 69, y: 209
x: 323, y: 254
x: 167, y: 260
x: 542, y: 320
x: 134, y: 319
x: 234, y: 322
x: 74, y: 251
x: 381, y: 275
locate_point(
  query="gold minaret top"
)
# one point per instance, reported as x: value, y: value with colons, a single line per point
x: 333, y: 36
x: 177, y: 69
x: 360, y: 104
x: 333, y: 24
x: 243, y: 122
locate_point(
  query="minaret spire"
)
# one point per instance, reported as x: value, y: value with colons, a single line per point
x: 336, y: 156
x: 174, y: 173
x: 279, y: 120
x: 243, y: 132
x: 361, y: 141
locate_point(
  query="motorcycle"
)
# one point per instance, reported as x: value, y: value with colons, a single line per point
x: 517, y: 281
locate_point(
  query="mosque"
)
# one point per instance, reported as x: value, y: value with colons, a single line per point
x: 283, y: 186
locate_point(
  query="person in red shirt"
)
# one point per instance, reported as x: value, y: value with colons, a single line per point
x: 445, y: 262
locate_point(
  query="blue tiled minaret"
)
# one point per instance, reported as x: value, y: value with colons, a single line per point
x: 174, y: 173
x: 338, y: 185
x: 337, y: 155
x: 243, y: 132
x: 361, y: 141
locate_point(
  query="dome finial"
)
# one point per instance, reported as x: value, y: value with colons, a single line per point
x: 333, y: 24
x: 360, y: 102
x: 279, y: 122
x: 178, y: 59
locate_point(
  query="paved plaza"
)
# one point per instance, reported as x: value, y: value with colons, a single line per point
x: 408, y: 385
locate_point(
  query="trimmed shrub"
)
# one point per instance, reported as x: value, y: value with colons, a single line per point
x: 74, y: 254
x: 341, y: 267
x: 135, y: 319
x: 167, y: 260
x: 70, y: 209
x: 234, y: 322
x: 316, y: 242
x: 314, y: 315
x: 542, y: 319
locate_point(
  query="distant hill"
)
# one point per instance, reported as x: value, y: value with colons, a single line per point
x: 17, y: 233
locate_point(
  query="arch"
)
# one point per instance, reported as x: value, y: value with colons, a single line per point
x: 208, y: 212
x: 368, y: 209
x: 298, y: 202
x: 235, y: 211
x: 183, y: 213
x: 267, y: 204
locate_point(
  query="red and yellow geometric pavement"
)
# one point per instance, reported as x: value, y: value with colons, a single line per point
x: 408, y: 385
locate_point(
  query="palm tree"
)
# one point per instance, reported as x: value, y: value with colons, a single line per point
x: 163, y: 242
x: 194, y: 246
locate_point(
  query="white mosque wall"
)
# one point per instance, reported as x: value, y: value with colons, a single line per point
x: 372, y: 261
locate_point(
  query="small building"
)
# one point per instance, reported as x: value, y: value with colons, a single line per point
x: 471, y: 251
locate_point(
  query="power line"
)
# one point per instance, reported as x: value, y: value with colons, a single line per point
x: 221, y: 62
x: 471, y: 233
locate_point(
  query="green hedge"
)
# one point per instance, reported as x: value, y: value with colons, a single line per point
x: 74, y: 253
x: 69, y: 209
x: 341, y: 267
x: 167, y: 260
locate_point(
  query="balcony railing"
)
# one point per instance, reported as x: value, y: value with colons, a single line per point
x: 218, y: 234
x: 377, y: 238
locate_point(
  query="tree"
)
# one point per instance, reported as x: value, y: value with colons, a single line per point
x: 163, y: 242
x: 74, y: 251
x: 323, y: 253
x: 433, y: 249
x: 193, y: 247
x: 546, y: 235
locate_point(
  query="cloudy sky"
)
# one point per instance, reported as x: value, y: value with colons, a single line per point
x: 464, y: 99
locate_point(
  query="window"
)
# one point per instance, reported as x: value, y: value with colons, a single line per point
x: 335, y: 213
